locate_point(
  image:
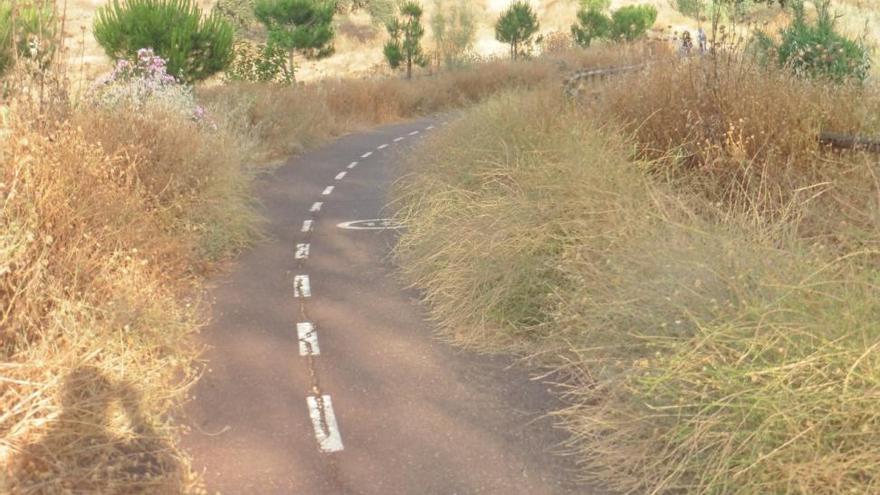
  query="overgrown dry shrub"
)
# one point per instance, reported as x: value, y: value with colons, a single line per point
x: 750, y: 134
x: 707, y: 351
x: 95, y: 346
x: 106, y: 220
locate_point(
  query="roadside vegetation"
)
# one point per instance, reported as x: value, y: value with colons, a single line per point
x: 677, y: 245
x: 118, y: 198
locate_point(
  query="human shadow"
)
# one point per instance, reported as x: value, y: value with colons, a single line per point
x: 102, y: 442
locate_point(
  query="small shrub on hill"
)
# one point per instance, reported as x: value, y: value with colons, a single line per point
x: 194, y: 46
x: 625, y: 24
x: 632, y: 21
x: 592, y: 25
x: 259, y: 63
x: 815, y: 48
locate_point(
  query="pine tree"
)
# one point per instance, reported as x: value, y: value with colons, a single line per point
x: 406, y: 31
x: 516, y: 26
x: 304, y: 26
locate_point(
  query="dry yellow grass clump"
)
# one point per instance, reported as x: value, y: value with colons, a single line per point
x: 717, y: 328
x: 105, y: 222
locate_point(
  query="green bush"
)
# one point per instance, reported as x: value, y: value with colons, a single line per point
x: 592, y: 24
x: 625, y: 24
x: 816, y: 49
x: 33, y: 26
x: 259, y: 63
x: 194, y: 46
x: 632, y: 22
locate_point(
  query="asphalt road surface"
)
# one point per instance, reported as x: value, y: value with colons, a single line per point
x: 324, y: 376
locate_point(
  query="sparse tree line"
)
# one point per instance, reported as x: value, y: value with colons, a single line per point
x: 197, y: 45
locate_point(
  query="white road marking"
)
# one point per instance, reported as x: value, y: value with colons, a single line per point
x: 382, y: 147
x: 413, y: 133
x: 352, y: 165
x: 430, y: 127
x: 301, y: 287
x: 327, y: 190
x: 307, y: 226
x: 316, y: 207
x: 308, y: 339
x: 367, y: 154
x: 302, y: 251
x: 326, y: 431
x: 371, y: 224
x: 340, y: 175
x: 397, y: 140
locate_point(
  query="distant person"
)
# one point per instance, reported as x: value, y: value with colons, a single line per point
x: 702, y: 40
x: 687, y: 43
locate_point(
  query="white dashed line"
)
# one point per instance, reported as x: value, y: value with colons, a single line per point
x: 316, y: 207
x: 352, y: 165
x: 308, y: 339
x: 413, y: 133
x: 397, y: 140
x: 340, y: 176
x: 327, y: 190
x: 326, y: 431
x: 382, y: 147
x: 302, y: 251
x: 429, y: 128
x: 301, y: 287
x: 307, y: 226
x: 367, y: 154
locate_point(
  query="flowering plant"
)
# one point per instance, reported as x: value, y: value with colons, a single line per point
x: 147, y: 83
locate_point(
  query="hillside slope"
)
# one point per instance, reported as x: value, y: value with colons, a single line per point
x: 359, y: 40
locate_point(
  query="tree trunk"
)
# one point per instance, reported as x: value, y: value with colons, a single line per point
x: 409, y: 67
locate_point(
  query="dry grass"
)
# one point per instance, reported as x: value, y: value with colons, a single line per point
x: 747, y: 139
x: 713, y: 345
x: 285, y: 120
x: 107, y: 222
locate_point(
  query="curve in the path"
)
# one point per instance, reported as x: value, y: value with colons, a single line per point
x: 323, y: 375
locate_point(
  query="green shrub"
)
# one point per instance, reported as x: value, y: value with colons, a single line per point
x: 259, y: 63
x: 592, y: 24
x: 816, y: 49
x: 625, y: 24
x: 33, y: 26
x: 194, y: 46
x: 632, y: 22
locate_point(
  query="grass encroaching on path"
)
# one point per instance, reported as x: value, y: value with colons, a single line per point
x: 703, y: 273
x: 285, y: 120
x: 109, y: 222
